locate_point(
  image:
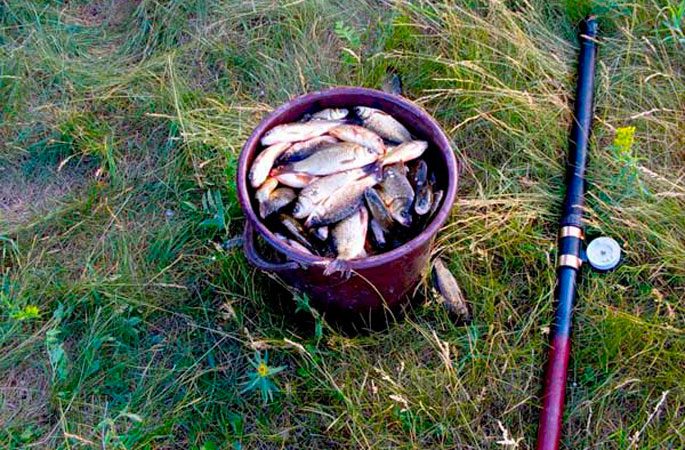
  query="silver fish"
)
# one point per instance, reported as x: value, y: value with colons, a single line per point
x: 324, y: 187
x: 397, y: 194
x: 262, y: 164
x: 294, y: 179
x: 302, y: 150
x: 295, y: 132
x: 359, y: 135
x: 383, y: 124
x: 424, y: 199
x: 262, y: 194
x: 341, y: 203
x: 378, y: 209
x: 404, y: 152
x: 278, y: 199
x: 348, y: 238
x: 335, y: 158
x: 330, y: 114
x: 321, y: 233
x: 437, y: 197
x: 377, y: 233
x: 449, y: 291
x: 296, y: 245
x: 419, y: 174
x: 296, y: 230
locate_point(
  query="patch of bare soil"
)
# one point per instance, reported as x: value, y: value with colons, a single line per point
x: 112, y: 13
x: 24, y: 194
x: 24, y: 396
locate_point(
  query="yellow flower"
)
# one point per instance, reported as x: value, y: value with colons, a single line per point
x: 263, y: 369
x: 625, y: 136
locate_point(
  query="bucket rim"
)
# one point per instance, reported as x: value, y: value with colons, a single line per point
x: 438, y: 139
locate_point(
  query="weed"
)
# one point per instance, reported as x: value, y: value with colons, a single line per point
x: 125, y: 323
x: 261, y: 378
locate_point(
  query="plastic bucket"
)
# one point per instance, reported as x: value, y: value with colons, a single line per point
x: 378, y: 281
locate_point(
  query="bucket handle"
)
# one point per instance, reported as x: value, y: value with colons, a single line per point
x: 256, y: 259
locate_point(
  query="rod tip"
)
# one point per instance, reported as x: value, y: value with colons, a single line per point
x: 589, y: 26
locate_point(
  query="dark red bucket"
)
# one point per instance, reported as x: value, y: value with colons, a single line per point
x: 377, y: 281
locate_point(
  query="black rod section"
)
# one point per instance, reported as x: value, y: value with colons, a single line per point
x: 570, y: 242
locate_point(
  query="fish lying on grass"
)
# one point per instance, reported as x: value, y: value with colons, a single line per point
x: 449, y: 292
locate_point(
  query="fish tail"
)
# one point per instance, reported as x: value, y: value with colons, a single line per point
x: 340, y: 266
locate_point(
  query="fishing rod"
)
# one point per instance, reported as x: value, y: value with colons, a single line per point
x: 603, y: 255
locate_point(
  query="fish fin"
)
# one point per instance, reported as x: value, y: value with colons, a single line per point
x: 375, y: 169
x: 278, y: 170
x: 340, y: 266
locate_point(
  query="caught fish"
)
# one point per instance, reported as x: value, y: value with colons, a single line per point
x: 330, y: 114
x: 294, y: 179
x: 397, y: 194
x: 302, y: 150
x: 296, y: 245
x: 378, y: 210
x: 377, y: 233
x: 424, y: 200
x: 326, y: 186
x: 295, y: 230
x: 278, y: 199
x: 419, y: 174
x: 348, y: 238
x: 392, y: 83
x: 449, y: 291
x: 437, y: 197
x: 263, y: 163
x: 383, y: 124
x: 404, y: 152
x: 321, y: 233
x: 332, y: 159
x: 341, y: 203
x: 359, y: 135
x: 295, y: 132
x: 266, y: 189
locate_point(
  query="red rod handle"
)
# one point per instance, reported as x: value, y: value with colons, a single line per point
x: 549, y: 431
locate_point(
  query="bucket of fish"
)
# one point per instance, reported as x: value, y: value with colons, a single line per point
x: 347, y: 188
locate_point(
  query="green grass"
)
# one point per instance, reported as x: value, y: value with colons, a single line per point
x: 124, y: 324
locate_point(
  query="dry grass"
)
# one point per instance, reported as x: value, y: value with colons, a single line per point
x: 125, y: 324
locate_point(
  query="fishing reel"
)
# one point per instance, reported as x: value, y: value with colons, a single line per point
x: 603, y: 253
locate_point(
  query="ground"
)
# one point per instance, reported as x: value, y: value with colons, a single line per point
x: 124, y: 322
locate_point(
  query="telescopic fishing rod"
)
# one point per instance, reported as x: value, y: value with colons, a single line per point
x: 604, y: 253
